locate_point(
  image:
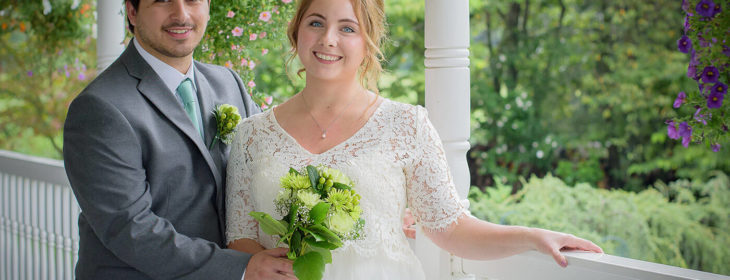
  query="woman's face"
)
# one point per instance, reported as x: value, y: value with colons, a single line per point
x: 330, y: 43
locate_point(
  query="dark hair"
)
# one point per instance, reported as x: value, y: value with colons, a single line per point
x: 135, y: 4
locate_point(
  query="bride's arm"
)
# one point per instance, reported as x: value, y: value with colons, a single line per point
x: 476, y: 239
x: 434, y: 202
x: 246, y: 245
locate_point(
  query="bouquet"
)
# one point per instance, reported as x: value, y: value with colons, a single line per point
x: 319, y: 210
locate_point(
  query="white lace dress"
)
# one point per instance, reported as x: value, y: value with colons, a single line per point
x: 395, y: 159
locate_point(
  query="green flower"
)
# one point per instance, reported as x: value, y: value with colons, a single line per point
x: 356, y: 212
x: 227, y: 119
x: 341, y: 222
x: 308, y: 198
x: 346, y: 200
x: 294, y: 182
x: 336, y: 176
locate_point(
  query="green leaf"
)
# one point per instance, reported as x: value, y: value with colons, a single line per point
x: 295, y: 243
x: 316, y: 236
x: 321, y: 244
x: 313, y: 175
x: 326, y: 253
x: 341, y: 186
x: 268, y: 224
x: 319, y: 212
x: 293, y: 171
x: 293, y: 215
x: 329, y: 236
x: 309, y: 266
x: 284, y: 222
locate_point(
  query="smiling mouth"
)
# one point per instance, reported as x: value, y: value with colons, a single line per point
x: 178, y: 31
x: 327, y: 57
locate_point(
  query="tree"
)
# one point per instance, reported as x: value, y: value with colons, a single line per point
x: 43, y: 67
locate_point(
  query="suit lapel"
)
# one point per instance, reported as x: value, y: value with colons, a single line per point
x: 154, y: 90
x: 208, y: 102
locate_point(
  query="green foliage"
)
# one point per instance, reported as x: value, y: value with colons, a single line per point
x: 404, y: 79
x: 577, y: 81
x: 250, y: 38
x: 43, y: 68
x: 683, y: 223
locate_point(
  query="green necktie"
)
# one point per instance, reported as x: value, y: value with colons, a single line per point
x: 185, y: 90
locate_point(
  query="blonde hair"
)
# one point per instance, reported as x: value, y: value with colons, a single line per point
x: 371, y: 15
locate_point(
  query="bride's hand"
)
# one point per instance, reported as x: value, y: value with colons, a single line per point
x: 270, y: 264
x: 551, y: 243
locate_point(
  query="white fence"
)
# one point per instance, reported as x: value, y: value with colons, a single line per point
x: 38, y: 215
x: 581, y: 265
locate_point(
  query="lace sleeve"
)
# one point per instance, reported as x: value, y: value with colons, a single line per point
x: 238, y: 196
x: 432, y: 196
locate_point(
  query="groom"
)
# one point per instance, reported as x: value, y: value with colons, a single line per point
x: 135, y: 149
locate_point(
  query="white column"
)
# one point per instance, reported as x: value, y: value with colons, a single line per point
x: 447, y: 101
x: 110, y: 28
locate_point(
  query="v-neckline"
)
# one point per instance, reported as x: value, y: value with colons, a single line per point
x: 278, y: 126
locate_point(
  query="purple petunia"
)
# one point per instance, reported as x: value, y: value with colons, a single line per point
x: 685, y: 6
x: 716, y: 10
x: 710, y: 74
x: 685, y: 131
x: 703, y: 42
x: 672, y: 130
x: 715, y: 147
x: 714, y: 100
x: 692, y: 68
x: 684, y: 44
x: 706, y: 8
x: 30, y: 73
x: 700, y: 118
x: 719, y: 88
x: 726, y: 50
x: 681, y: 98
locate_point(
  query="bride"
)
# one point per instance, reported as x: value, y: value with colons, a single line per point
x: 390, y: 150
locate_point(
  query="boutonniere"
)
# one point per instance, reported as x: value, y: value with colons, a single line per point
x: 226, y: 119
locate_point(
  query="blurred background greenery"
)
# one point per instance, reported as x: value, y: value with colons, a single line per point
x: 568, y: 101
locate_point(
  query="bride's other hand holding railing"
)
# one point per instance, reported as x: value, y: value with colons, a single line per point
x: 472, y: 238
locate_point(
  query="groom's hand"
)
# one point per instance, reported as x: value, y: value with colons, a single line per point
x: 270, y: 264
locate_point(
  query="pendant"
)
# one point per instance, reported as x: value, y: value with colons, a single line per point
x: 324, y: 135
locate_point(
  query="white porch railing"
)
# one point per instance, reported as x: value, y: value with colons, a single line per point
x: 581, y: 266
x: 39, y: 237
x: 38, y: 214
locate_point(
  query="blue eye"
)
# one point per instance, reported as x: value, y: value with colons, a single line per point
x: 315, y: 24
x: 348, y: 30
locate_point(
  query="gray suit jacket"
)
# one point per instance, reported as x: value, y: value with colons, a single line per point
x: 151, y: 194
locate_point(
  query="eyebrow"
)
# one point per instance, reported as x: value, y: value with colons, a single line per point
x: 342, y: 20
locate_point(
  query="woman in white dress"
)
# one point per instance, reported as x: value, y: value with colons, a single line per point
x: 390, y: 150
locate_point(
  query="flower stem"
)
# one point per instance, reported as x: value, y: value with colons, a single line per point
x: 212, y: 143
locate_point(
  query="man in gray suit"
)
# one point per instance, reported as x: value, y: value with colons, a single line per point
x: 135, y: 149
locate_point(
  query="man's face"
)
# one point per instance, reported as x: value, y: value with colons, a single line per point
x: 169, y: 29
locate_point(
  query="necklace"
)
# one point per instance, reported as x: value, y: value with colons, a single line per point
x: 324, y: 131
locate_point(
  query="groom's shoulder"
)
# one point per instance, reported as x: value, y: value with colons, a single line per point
x: 109, y: 82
